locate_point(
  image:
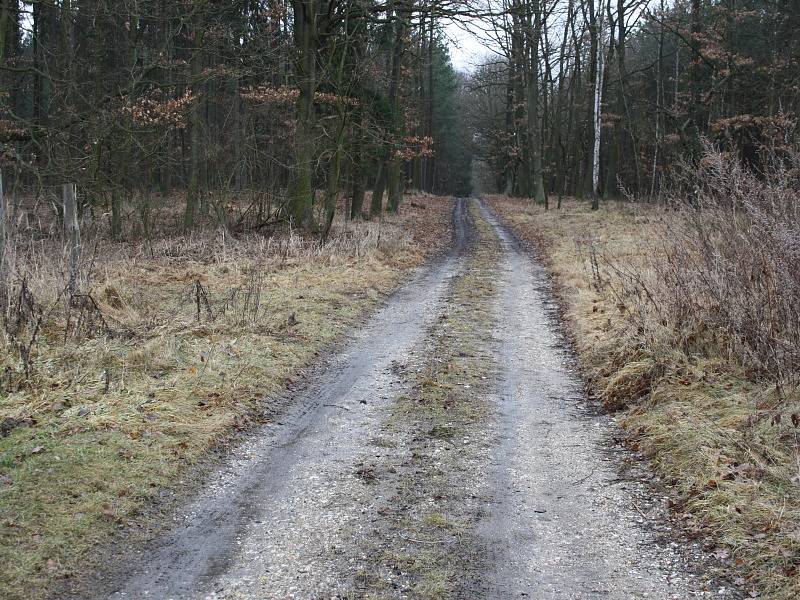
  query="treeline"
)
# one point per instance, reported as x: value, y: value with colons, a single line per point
x: 301, y: 103
x: 293, y: 106
x: 603, y: 97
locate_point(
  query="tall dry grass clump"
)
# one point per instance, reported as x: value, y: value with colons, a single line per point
x: 729, y: 273
x: 130, y: 287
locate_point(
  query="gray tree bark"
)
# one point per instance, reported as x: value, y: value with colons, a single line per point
x: 72, y: 235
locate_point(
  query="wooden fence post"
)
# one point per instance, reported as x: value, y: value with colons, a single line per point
x: 72, y: 234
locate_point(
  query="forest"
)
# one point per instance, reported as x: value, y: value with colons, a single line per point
x: 137, y: 101
x: 293, y: 249
x: 604, y: 99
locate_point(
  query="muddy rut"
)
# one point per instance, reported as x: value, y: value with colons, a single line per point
x: 448, y: 450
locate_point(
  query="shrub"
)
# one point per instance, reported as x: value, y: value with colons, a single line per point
x: 729, y: 273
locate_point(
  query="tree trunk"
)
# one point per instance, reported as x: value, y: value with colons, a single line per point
x: 305, y: 41
x: 238, y: 155
x: 72, y: 235
x: 116, y: 213
x: 429, y: 161
x: 519, y: 71
x: 597, y: 112
x: 696, y: 110
x: 508, y: 170
x: 393, y: 166
x: 332, y: 188
x: 356, y: 31
x: 593, y: 56
x: 534, y: 122
x: 659, y: 104
x: 3, y: 241
x: 358, y: 175
x: 376, y: 205
x: 195, y: 128
x: 394, y: 177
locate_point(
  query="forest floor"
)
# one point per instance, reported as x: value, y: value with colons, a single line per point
x: 713, y: 432
x: 194, y: 338
x: 447, y: 450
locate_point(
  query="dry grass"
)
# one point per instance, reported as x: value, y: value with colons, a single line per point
x: 107, y: 421
x: 727, y: 440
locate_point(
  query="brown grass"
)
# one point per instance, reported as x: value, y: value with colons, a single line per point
x: 727, y: 440
x: 107, y: 421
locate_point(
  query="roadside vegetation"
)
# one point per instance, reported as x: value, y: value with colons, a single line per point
x: 684, y: 315
x: 175, y: 344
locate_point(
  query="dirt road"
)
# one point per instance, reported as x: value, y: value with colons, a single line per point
x: 447, y: 451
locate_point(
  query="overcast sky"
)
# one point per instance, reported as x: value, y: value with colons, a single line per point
x: 466, y: 48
